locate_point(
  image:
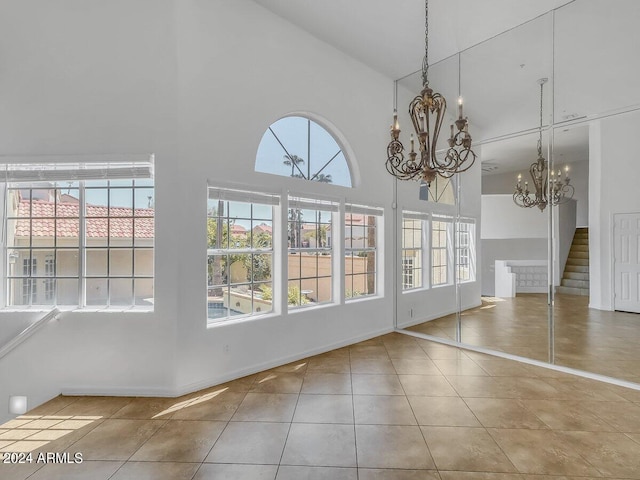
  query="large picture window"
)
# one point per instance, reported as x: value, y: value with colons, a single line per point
x: 240, y: 254
x: 361, y: 250
x: 85, y: 241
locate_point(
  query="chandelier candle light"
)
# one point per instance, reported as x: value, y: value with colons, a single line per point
x: 427, y: 114
x: 554, y: 189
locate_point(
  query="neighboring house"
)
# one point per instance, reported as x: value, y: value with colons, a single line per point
x: 43, y: 245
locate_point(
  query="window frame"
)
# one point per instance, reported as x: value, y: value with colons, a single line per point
x: 445, y: 252
x: 251, y: 199
x: 56, y: 177
x: 469, y: 248
x: 350, y: 251
x: 419, y: 266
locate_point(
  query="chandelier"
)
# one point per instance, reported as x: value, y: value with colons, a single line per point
x: 427, y: 114
x: 553, y: 189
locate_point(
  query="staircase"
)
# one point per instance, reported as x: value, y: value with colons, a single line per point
x: 575, y: 279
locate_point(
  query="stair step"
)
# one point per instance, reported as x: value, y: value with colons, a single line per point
x: 579, y: 255
x: 575, y: 283
x: 579, y: 248
x: 576, y: 276
x: 576, y: 268
x: 573, y: 291
x: 578, y: 261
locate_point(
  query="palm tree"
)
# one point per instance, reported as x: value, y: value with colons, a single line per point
x: 293, y: 161
x: 322, y: 178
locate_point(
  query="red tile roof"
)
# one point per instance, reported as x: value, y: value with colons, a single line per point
x: 122, y: 226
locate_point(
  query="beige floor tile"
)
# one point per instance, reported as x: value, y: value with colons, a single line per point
x: 483, y: 476
x: 613, y: 454
x: 299, y: 366
x: 503, y: 413
x: 369, y: 384
x: 624, y: 416
x: 212, y: 471
x: 211, y: 406
x: 498, y: 367
x: 266, y: 407
x: 562, y: 477
x: 459, y: 366
x: 442, y: 411
x: 324, y: 409
x: 502, y: 387
x: 156, y: 471
x: 250, y: 442
x: 392, y: 446
x: 466, y: 449
x: 329, y: 364
x: 320, y: 445
x: 372, y: 365
x: 396, y: 474
x: 428, y: 385
x: 96, y: 470
x: 17, y: 471
x: 116, y: 439
x: 328, y: 383
x: 180, y: 441
x: 278, y: 382
x: 53, y: 406
x: 415, y: 366
x: 17, y: 434
x: 95, y: 406
x: 148, y: 409
x: 368, y: 351
x: 567, y: 415
x: 382, y: 410
x: 289, y: 472
x: 406, y: 351
x: 438, y: 351
x: 541, y: 452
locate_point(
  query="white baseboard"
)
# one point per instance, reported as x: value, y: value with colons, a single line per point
x: 435, y: 316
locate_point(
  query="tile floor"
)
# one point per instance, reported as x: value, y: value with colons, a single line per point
x: 391, y: 408
x: 585, y: 339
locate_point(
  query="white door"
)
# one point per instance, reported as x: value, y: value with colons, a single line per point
x: 626, y: 237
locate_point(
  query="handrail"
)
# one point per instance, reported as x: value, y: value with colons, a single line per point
x: 53, y: 314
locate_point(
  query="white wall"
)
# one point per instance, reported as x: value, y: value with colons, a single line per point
x: 196, y: 83
x: 613, y: 187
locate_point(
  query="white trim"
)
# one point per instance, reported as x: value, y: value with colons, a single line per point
x: 221, y: 193
x: 409, y: 215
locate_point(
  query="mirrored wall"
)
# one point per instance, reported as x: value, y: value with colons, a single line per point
x: 558, y: 283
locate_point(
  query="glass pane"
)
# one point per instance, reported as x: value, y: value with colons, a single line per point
x: 121, y: 183
x: 66, y: 290
x: 67, y: 263
x: 262, y: 212
x: 19, y: 292
x: 19, y: 262
x: 96, y: 183
x: 96, y: 200
x: 308, y: 265
x: 120, y: 202
x: 144, y: 182
x: 143, y: 261
x: 217, y: 270
x: 262, y: 298
x: 67, y: 202
x: 239, y: 268
x: 359, y: 286
x: 97, y: 232
x: 143, y: 291
x: 144, y: 231
x: 97, y: 292
x: 216, y: 307
x: 121, y: 291
x: 120, y: 231
x: 121, y: 261
x: 262, y: 234
x: 261, y: 267
x: 294, y: 296
x: 294, y: 265
x: 96, y: 262
x: 144, y: 199
x: 323, y: 290
x: 67, y: 232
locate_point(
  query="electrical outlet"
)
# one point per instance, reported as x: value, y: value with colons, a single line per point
x: 411, y: 313
x: 225, y: 349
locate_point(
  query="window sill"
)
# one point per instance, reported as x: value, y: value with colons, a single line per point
x: 75, y: 309
x: 239, y: 319
x: 414, y: 290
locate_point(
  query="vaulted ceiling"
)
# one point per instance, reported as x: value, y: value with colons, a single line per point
x: 388, y: 35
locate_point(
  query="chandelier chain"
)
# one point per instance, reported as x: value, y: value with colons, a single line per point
x: 540, y: 133
x: 425, y: 61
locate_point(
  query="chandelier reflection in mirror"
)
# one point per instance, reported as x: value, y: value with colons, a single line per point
x: 553, y: 189
x: 427, y: 114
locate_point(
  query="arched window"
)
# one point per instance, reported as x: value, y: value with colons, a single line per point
x: 298, y: 147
